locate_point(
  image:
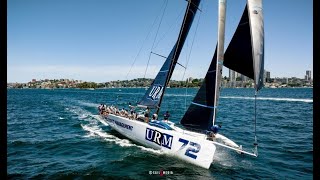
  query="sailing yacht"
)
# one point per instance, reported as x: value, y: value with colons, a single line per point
x: 245, y: 54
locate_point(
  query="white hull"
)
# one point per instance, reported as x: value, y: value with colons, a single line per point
x: 186, y: 145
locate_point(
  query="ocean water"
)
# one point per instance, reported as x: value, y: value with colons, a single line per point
x: 52, y: 134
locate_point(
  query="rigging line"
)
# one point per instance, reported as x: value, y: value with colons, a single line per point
x: 135, y: 59
x: 193, y: 4
x: 184, y: 72
x: 174, y: 55
x: 188, y: 57
x: 255, y: 118
x: 164, y: 10
x: 181, y: 65
x: 158, y: 55
x: 170, y: 28
x: 185, y: 97
x: 165, y: 58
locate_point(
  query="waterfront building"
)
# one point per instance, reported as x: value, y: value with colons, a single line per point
x: 268, y: 76
x: 308, y: 75
x: 244, y: 78
x: 232, y: 78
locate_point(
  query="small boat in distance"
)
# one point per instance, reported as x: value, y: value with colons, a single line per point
x: 196, y: 142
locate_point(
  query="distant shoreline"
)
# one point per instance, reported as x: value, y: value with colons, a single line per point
x: 169, y: 88
x: 146, y: 83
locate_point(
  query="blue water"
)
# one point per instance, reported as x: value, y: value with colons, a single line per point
x: 52, y: 135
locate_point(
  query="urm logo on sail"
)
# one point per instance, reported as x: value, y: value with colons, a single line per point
x: 156, y: 92
x: 159, y: 138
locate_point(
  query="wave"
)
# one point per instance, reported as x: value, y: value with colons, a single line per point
x: 97, y: 131
x: 270, y: 99
x: 78, y: 111
x: 43, y: 140
x: 89, y: 104
x: 100, y: 119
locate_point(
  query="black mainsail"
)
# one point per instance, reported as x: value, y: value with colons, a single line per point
x: 154, y: 94
x: 244, y: 54
x: 200, y: 112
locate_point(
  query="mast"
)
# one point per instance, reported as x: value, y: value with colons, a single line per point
x: 220, y: 53
x: 154, y: 95
x: 201, y: 113
x: 172, y: 62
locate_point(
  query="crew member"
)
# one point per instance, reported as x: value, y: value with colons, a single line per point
x: 100, y: 109
x: 131, y: 108
x: 166, y: 116
x: 213, y: 132
x: 146, y: 115
x: 215, y: 128
x: 154, y: 117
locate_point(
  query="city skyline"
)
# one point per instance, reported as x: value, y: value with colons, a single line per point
x: 98, y: 41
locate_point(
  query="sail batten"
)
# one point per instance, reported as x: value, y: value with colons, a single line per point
x: 202, y: 105
x: 154, y: 94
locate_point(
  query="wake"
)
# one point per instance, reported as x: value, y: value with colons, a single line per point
x: 97, y: 131
x: 270, y: 99
x: 81, y: 113
x: 92, y: 126
x: 100, y: 119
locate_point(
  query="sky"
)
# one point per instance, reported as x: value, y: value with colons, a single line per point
x: 105, y: 40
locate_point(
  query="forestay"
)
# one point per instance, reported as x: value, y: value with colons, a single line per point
x: 154, y: 94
